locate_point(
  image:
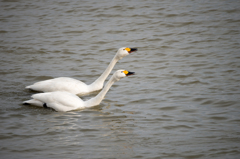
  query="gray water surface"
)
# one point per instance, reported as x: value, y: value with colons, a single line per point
x: 183, y: 101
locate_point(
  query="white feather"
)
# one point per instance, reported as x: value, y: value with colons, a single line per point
x: 65, y: 101
x: 75, y: 86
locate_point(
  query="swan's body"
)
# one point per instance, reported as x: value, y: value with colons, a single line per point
x: 75, y: 86
x: 65, y: 101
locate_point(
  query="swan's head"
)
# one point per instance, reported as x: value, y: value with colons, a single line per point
x: 124, y: 51
x: 122, y: 73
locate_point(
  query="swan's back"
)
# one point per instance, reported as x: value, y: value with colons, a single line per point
x: 60, y: 101
x: 60, y: 84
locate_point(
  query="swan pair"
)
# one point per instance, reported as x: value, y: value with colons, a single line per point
x: 61, y: 93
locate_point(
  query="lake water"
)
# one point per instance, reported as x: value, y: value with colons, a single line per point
x: 183, y: 101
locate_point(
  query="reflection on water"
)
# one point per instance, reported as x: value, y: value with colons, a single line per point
x: 182, y: 102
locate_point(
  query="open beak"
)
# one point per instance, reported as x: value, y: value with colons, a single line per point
x: 132, y: 50
x: 130, y: 73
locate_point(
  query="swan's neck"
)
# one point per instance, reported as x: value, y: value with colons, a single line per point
x: 97, y: 100
x: 98, y: 84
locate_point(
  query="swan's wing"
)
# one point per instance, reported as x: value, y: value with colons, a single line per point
x: 60, y: 84
x: 59, y: 107
x: 60, y: 101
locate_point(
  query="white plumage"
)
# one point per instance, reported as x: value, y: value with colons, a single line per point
x: 75, y: 86
x: 65, y: 101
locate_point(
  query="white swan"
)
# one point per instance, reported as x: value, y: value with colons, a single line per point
x: 75, y: 86
x: 65, y: 101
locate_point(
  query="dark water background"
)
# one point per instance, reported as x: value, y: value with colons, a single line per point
x: 182, y: 103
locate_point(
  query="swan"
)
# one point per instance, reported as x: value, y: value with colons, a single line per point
x: 77, y: 87
x: 65, y: 101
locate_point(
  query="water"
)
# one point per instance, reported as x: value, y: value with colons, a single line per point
x: 183, y: 101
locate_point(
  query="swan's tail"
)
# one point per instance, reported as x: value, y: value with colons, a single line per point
x: 34, y: 102
x: 28, y: 87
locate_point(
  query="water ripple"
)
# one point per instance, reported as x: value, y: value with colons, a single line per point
x: 182, y: 102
